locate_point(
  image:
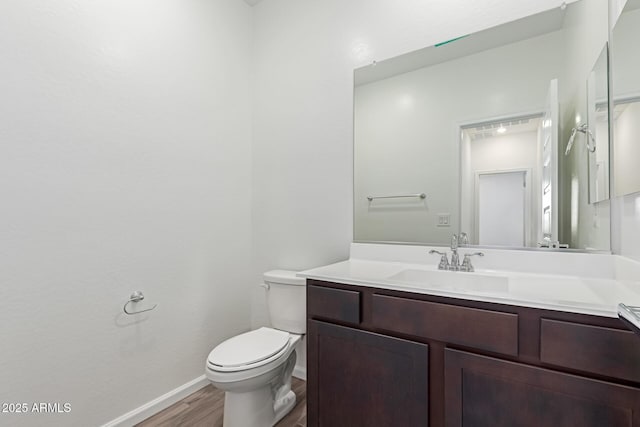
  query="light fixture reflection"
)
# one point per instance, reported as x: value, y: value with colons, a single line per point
x: 405, y: 101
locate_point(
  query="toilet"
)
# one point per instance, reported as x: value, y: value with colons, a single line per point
x: 254, y: 368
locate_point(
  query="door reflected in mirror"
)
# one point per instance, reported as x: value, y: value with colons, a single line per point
x: 500, y: 182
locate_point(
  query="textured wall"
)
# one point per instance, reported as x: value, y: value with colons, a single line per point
x: 124, y: 164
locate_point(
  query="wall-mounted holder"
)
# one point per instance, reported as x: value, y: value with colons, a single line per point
x: 420, y: 195
x: 137, y: 296
x: 590, y: 139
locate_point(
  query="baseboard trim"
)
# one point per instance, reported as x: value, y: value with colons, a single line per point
x: 156, y: 405
x: 299, y: 372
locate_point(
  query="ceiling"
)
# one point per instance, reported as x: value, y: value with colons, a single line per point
x: 252, y: 2
x: 509, y: 126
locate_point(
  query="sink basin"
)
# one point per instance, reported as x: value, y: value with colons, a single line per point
x: 452, y: 280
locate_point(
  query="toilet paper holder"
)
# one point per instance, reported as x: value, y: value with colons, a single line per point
x: 137, y: 296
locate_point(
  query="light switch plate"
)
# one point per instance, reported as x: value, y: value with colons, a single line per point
x: 444, y: 220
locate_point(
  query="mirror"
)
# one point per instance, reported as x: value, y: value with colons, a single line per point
x: 626, y: 99
x: 469, y: 137
x: 598, y: 133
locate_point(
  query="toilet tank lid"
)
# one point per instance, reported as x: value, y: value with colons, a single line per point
x: 286, y: 277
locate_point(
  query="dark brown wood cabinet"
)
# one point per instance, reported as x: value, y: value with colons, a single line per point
x: 484, y: 391
x: 365, y: 379
x: 380, y: 357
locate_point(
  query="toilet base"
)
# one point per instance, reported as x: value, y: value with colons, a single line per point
x: 263, y: 406
x: 256, y: 408
x: 284, y: 405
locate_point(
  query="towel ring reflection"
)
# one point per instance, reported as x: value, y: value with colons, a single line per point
x: 137, y: 296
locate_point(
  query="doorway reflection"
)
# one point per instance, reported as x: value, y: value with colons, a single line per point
x: 502, y: 181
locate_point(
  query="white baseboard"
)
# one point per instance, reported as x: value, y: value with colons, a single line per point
x: 299, y: 372
x: 156, y: 405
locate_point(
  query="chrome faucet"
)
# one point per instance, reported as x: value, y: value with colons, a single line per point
x: 466, y: 262
x: 455, y: 259
x: 444, y: 261
x: 455, y: 265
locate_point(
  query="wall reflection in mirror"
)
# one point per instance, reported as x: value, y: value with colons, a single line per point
x: 480, y: 125
x: 626, y: 99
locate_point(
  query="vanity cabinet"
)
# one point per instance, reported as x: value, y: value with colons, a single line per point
x: 484, y: 391
x: 365, y: 379
x: 379, y: 357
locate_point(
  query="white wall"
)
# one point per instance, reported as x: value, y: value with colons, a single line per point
x: 626, y: 63
x: 626, y: 213
x: 125, y: 149
x: 585, y: 226
x: 627, y: 149
x: 305, y: 54
x: 504, y: 152
x: 626, y: 84
x: 407, y: 139
x: 627, y: 227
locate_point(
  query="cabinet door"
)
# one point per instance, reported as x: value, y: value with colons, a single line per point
x: 357, y: 378
x: 483, y: 391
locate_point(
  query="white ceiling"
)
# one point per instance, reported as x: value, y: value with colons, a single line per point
x: 511, y: 126
x: 252, y: 2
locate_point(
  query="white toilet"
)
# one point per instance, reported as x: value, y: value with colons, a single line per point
x: 254, y: 369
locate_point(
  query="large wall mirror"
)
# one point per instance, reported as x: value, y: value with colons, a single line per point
x: 626, y: 99
x: 598, y: 131
x: 500, y: 136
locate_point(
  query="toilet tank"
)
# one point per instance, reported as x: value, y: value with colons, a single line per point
x: 286, y: 301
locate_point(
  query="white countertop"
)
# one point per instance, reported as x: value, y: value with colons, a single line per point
x: 595, y: 295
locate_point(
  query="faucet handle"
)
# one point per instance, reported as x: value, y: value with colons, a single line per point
x: 474, y: 254
x: 466, y: 262
x: 444, y: 261
x: 463, y: 239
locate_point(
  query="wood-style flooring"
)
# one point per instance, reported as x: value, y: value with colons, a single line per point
x: 204, y: 409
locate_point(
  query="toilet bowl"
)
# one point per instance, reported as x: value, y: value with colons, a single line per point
x: 254, y: 369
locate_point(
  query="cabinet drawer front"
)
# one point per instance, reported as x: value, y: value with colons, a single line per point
x: 333, y: 304
x: 482, y: 329
x: 611, y: 352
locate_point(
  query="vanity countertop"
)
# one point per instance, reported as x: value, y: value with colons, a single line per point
x: 592, y: 295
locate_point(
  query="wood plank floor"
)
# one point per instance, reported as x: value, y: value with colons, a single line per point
x: 204, y: 408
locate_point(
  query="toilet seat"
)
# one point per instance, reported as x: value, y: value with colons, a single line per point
x: 249, y: 350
